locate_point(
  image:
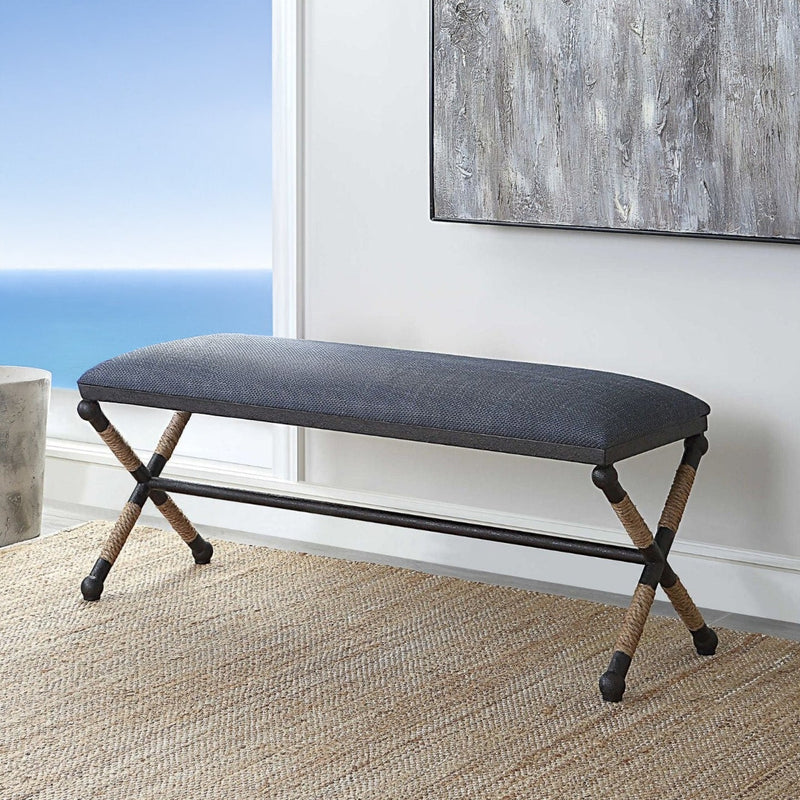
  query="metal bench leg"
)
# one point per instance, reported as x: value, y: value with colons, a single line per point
x: 657, y: 569
x: 612, y: 682
x: 92, y: 585
x: 705, y: 639
x: 201, y: 549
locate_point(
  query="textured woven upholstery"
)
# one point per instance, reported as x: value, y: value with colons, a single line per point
x: 515, y: 407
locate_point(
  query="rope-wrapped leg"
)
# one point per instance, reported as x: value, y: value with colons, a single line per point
x: 657, y: 570
x: 201, y: 549
x: 612, y: 681
x: 705, y: 639
x: 169, y: 440
x: 92, y: 585
x: 90, y: 411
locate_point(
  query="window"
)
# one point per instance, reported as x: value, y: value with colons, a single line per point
x: 135, y: 165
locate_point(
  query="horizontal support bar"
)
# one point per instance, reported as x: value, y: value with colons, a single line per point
x: 468, y: 529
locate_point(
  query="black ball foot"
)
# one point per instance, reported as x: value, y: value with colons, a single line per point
x: 705, y: 641
x: 612, y: 687
x: 201, y: 550
x: 91, y: 588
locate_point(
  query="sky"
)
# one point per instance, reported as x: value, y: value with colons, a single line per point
x: 135, y: 134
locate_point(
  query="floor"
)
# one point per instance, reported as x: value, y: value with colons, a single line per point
x: 58, y: 519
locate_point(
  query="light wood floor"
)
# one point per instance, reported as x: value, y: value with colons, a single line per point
x: 56, y: 519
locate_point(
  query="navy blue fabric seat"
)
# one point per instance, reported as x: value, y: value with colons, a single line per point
x: 514, y: 407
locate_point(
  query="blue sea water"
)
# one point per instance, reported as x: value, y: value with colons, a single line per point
x: 67, y: 321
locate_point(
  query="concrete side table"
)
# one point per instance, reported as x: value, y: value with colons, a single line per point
x: 24, y: 398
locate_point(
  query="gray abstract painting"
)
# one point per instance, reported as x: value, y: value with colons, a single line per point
x: 679, y: 117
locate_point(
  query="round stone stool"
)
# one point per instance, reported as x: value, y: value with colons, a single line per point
x: 24, y: 398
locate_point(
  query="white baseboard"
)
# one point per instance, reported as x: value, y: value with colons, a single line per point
x: 727, y: 579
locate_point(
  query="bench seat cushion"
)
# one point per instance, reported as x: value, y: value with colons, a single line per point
x: 507, y: 406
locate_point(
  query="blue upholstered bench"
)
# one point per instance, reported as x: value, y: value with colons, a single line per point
x: 563, y: 413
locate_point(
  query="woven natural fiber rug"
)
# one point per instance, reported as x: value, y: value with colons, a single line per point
x: 269, y: 674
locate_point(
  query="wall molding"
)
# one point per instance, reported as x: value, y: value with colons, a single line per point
x: 728, y: 579
x: 287, y: 203
x: 186, y: 467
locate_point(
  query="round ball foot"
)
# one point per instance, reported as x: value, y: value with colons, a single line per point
x: 202, y: 552
x: 705, y: 641
x: 91, y: 588
x: 612, y: 687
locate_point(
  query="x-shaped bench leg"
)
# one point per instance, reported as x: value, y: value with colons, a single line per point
x: 657, y: 570
x: 92, y: 585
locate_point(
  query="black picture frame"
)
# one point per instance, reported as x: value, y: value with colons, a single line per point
x: 436, y: 216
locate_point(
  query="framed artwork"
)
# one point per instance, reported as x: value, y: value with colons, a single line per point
x: 623, y: 115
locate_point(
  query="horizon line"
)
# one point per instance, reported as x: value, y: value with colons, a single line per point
x: 131, y: 268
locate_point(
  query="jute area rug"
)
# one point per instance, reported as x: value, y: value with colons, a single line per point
x: 269, y: 674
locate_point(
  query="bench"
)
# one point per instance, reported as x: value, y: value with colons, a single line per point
x: 563, y: 413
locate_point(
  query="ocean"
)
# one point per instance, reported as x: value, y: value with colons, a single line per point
x: 66, y: 321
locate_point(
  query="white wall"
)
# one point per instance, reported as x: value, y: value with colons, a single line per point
x: 716, y: 318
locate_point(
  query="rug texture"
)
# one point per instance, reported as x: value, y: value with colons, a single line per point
x: 269, y: 674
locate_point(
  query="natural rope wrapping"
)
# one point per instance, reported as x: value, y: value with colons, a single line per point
x: 120, y: 448
x: 685, y: 606
x: 677, y: 498
x: 120, y: 532
x: 635, y: 618
x: 633, y: 523
x: 169, y: 439
x: 178, y: 520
